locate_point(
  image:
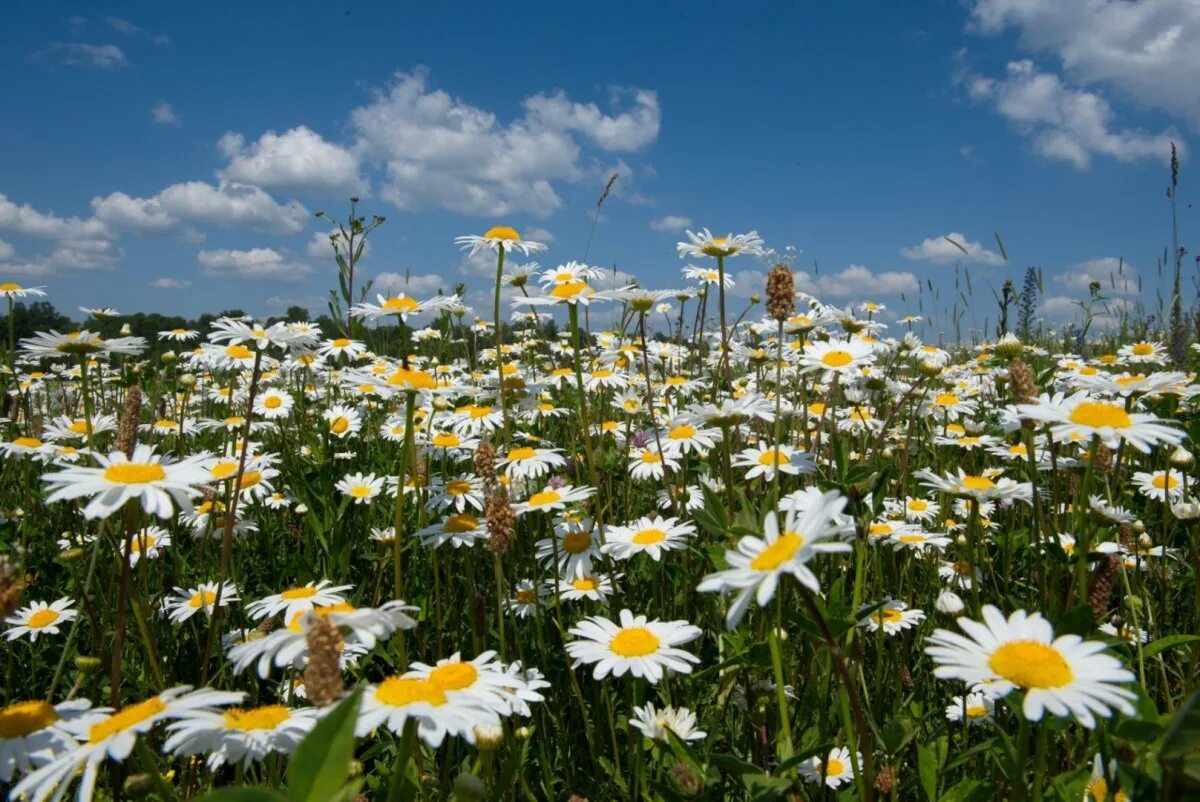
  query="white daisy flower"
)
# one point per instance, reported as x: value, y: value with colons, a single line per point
x: 650, y: 536
x: 40, y: 618
x: 654, y: 723
x: 145, y: 476
x: 644, y: 648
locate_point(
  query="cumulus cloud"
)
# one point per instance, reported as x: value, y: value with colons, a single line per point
x: 538, y: 234
x: 6, y: 250
x: 298, y: 160
x: 81, y: 54
x: 163, y: 114
x: 24, y: 219
x: 1115, y: 277
x: 416, y: 286
x: 127, y: 28
x: 1145, y: 50
x: 672, y: 222
x: 439, y: 151
x: 256, y: 264
x: 166, y: 283
x: 83, y: 244
x: 227, y: 204
x: 1061, y: 122
x: 855, y: 281
x: 940, y: 250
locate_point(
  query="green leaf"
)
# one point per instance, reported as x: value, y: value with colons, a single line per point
x: 1183, y: 733
x: 930, y: 759
x: 1169, y: 642
x: 321, y: 763
x: 242, y: 794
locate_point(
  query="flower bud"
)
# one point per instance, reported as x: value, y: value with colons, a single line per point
x: 488, y: 737
x: 187, y: 380
x: 949, y: 602
x: 1182, y: 458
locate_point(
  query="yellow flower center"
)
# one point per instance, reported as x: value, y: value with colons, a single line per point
x: 28, y: 442
x: 502, y: 232
x: 42, y: 619
x: 202, y: 599
x: 585, y: 583
x: 134, y: 473
x: 223, y: 470
x: 291, y: 594
x: 918, y: 505
x: 125, y: 718
x: 446, y: 440
x: 976, y: 711
x: 8, y: 286
x: 645, y: 537
x: 400, y: 303
x: 458, y: 524
x: 577, y: 542
x: 360, y: 491
x: 1096, y: 415
x: 634, y: 642
x: 339, y: 424
x: 412, y: 379
x: 401, y: 692
x: 887, y: 615
x: 1143, y: 349
x: 272, y: 402
x: 681, y: 432
x: 650, y: 457
x: 238, y: 352
x: 837, y: 359
x: 571, y: 289
x: 946, y: 400
x: 774, y: 458
x: 779, y: 552
x: 522, y: 453
x: 911, y: 538
x: 836, y: 767
x: 476, y: 413
x: 1164, y: 481
x: 458, y: 487
x: 258, y: 718
x: 454, y: 676
x: 543, y: 498
x: 526, y: 596
x: 78, y: 427
x: 1030, y: 664
x: 21, y: 719
x: 977, y: 483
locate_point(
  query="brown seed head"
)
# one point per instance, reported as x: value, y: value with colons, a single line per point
x: 323, y: 674
x: 781, y: 293
x: 1100, y: 587
x: 485, y: 462
x: 501, y: 521
x: 1023, y: 386
x: 127, y: 432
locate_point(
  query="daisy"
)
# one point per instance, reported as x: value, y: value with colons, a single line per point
x: 1065, y: 675
x: 638, y: 646
x: 836, y: 357
x: 893, y: 618
x: 976, y: 487
x: 239, y: 735
x: 650, y: 536
x: 834, y: 771
x: 976, y: 709
x: 550, y: 499
x: 525, y: 600
x: 362, y: 487
x: 145, y: 476
x: 918, y: 541
x: 340, y: 346
x: 402, y: 306
x: 705, y: 244
x: 592, y: 587
x: 1129, y: 634
x: 530, y: 463
x: 1143, y: 352
x: 483, y: 681
x: 1160, y: 485
x: 273, y: 404
x: 573, y: 547
x: 148, y: 542
x: 656, y: 723
x: 299, y: 599
x: 915, y: 509
x: 178, y: 335
x: 114, y: 736
x: 649, y: 463
x: 10, y: 289
x: 691, y: 496
x: 683, y: 436
x: 498, y: 238
x: 764, y: 460
x: 40, y: 618
x: 188, y: 601
x: 343, y: 421
x: 459, y: 493
x: 758, y: 563
x: 32, y: 733
x: 1082, y: 416
x: 460, y: 529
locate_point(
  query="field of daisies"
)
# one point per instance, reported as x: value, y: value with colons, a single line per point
x: 630, y: 543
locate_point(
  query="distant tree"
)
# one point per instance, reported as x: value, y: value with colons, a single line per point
x: 37, y: 316
x: 296, y: 314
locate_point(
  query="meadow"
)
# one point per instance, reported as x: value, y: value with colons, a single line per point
x: 599, y: 543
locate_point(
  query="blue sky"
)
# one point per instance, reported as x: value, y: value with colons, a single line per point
x: 170, y: 156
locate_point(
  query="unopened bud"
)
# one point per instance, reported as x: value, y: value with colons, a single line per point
x: 1182, y: 458
x: 187, y: 380
x: 949, y: 603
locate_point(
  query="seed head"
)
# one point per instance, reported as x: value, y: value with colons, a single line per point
x: 323, y: 674
x: 781, y: 293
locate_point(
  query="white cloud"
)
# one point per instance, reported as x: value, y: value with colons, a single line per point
x: 166, y: 283
x: 144, y: 215
x: 228, y: 204
x: 298, y: 160
x: 417, y: 286
x: 672, y: 222
x: 441, y: 152
x: 255, y: 264
x: 6, y: 250
x: 1146, y: 50
x: 129, y: 29
x: 1114, y: 276
x: 538, y: 234
x: 1063, y: 123
x: 859, y: 282
x: 163, y: 114
x: 940, y: 250
x: 86, y: 254
x: 80, y: 54
x: 629, y: 130
x: 24, y: 219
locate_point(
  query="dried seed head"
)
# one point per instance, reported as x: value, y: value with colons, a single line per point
x: 1100, y: 587
x: 1023, y: 386
x: 127, y: 432
x: 501, y: 521
x: 1104, y: 460
x: 781, y: 293
x: 886, y: 779
x: 11, y: 586
x: 485, y: 463
x: 906, y: 678
x: 323, y: 674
